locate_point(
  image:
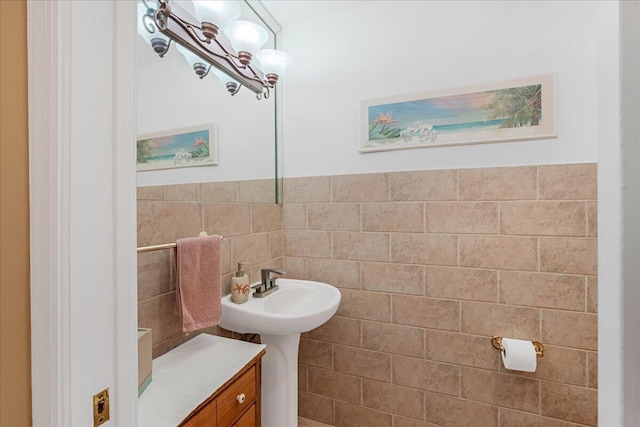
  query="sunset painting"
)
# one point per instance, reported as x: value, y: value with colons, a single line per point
x: 508, y: 112
x: 194, y: 146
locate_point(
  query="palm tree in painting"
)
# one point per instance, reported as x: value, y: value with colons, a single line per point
x: 521, y: 106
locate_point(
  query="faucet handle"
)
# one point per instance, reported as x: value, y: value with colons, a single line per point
x: 266, y: 275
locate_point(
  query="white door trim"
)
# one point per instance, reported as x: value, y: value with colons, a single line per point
x: 618, y: 215
x: 49, y: 49
x: 73, y: 356
x: 125, y: 209
x: 630, y: 153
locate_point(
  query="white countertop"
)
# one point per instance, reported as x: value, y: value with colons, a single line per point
x: 187, y: 375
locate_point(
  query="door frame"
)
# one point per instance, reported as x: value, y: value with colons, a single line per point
x: 62, y: 389
x: 83, y: 269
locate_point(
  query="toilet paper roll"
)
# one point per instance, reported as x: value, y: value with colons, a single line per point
x: 519, y: 355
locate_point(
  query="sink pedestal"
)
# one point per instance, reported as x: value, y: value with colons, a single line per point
x: 280, y: 380
x: 298, y: 306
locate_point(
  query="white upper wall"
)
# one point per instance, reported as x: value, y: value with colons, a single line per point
x: 386, y: 48
x: 171, y: 96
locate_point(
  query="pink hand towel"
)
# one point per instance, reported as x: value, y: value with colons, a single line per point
x: 198, y: 291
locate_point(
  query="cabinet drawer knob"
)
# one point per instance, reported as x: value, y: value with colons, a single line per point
x: 240, y: 398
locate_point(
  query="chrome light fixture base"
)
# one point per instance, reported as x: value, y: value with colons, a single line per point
x: 201, y: 69
x: 233, y: 87
x: 160, y: 46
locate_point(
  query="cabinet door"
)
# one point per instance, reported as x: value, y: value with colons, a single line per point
x: 205, y: 417
x: 248, y: 419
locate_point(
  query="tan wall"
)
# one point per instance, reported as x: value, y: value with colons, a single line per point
x: 15, y: 350
x: 242, y: 212
x: 431, y: 265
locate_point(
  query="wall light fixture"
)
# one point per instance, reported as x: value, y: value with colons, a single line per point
x: 198, y: 40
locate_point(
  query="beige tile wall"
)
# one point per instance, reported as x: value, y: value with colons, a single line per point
x: 243, y: 212
x: 431, y: 264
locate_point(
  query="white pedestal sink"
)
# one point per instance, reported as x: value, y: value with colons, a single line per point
x: 298, y: 306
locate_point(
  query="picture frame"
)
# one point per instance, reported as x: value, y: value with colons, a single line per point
x: 513, y: 110
x: 178, y: 148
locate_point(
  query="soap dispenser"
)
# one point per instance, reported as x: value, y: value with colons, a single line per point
x: 240, y: 285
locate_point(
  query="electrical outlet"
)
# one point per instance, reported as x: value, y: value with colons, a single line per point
x: 101, y: 408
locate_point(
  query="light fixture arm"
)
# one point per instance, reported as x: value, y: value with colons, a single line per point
x: 159, y: 43
x: 175, y: 23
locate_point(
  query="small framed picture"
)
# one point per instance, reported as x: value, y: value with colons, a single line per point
x: 178, y: 148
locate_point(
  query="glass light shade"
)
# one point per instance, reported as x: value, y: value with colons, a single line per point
x: 246, y: 36
x: 223, y: 77
x: 273, y: 61
x: 187, y: 5
x: 142, y: 30
x: 191, y: 57
x: 219, y: 13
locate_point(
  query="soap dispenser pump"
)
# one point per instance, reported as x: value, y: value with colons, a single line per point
x: 240, y: 285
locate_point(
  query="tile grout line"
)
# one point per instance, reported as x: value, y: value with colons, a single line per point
x: 201, y: 216
x: 459, y: 317
x: 424, y: 217
x: 539, y: 397
x: 331, y: 233
x: 424, y: 280
x: 586, y: 371
x: 538, y: 253
x: 331, y: 189
x: 251, y: 215
x: 586, y: 294
x: 586, y: 219
x: 391, y: 310
x: 540, y: 314
x: 537, y: 182
x: 305, y: 207
x: 500, y: 218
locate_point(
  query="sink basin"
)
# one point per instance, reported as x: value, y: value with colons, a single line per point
x: 297, y: 306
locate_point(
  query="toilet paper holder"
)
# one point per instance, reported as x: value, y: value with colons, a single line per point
x: 539, y: 348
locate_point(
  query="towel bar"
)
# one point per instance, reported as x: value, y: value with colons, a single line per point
x: 166, y: 245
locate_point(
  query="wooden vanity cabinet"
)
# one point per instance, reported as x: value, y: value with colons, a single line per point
x: 235, y: 404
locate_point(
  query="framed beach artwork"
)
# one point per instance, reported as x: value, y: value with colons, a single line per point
x: 178, y: 148
x: 514, y: 110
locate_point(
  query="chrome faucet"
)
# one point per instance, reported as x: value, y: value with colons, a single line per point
x: 268, y: 283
